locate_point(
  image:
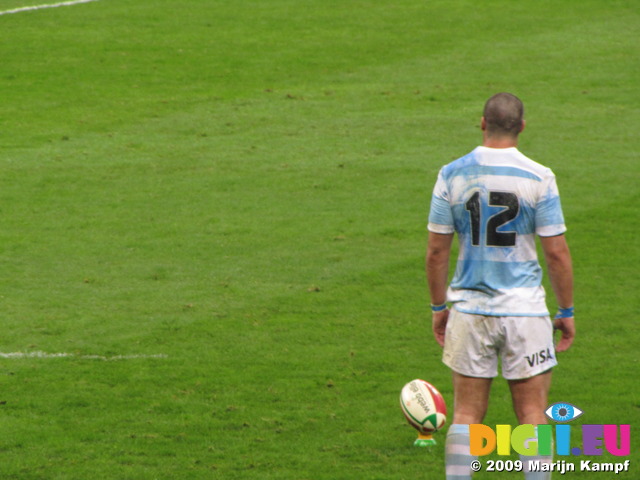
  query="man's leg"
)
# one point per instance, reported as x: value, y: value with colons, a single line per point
x: 470, y: 403
x: 530, y: 399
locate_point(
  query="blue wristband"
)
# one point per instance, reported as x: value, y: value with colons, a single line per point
x: 438, y: 308
x: 565, y: 312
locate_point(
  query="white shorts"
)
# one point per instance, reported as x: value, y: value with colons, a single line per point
x: 473, y: 344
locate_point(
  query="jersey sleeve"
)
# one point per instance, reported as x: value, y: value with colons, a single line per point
x: 549, y: 216
x: 440, y: 215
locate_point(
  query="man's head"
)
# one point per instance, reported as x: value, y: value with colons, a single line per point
x: 503, y: 116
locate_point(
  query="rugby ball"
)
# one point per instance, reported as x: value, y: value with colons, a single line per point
x: 423, y: 406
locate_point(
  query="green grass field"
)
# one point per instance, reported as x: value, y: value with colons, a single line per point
x: 217, y: 211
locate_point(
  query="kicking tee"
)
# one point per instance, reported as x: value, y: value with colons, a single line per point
x: 497, y: 201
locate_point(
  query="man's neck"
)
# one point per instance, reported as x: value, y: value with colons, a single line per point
x: 499, y: 142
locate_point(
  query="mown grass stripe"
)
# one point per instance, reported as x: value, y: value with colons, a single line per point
x: 41, y: 7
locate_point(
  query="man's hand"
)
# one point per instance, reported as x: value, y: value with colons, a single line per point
x: 568, y: 328
x: 439, y: 325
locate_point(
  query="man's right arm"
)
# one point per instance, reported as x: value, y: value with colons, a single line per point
x: 437, y: 266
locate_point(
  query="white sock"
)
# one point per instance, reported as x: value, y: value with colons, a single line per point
x: 457, y: 453
x: 540, y: 459
x: 528, y: 475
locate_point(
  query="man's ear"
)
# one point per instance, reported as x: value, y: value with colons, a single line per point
x: 483, y: 124
x: 524, y: 123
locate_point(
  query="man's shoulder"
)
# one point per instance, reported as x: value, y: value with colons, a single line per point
x: 523, y: 161
x: 469, y: 160
x: 484, y: 160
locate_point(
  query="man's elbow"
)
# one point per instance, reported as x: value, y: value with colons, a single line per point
x: 556, y: 251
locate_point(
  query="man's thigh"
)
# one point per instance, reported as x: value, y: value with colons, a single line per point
x: 530, y: 398
x: 472, y: 344
x: 528, y: 348
x: 470, y: 398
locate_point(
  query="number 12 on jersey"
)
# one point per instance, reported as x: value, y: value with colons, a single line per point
x: 493, y: 238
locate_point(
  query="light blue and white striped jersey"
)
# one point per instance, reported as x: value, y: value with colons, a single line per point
x: 497, y: 200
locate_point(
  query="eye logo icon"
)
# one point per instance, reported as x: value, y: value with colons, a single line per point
x: 563, y: 412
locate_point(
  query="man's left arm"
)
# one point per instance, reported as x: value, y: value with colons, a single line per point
x: 558, y: 259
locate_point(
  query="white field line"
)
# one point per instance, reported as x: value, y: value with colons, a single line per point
x: 48, y: 5
x: 37, y: 354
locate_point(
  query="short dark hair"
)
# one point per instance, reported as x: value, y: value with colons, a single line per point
x: 504, y: 114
